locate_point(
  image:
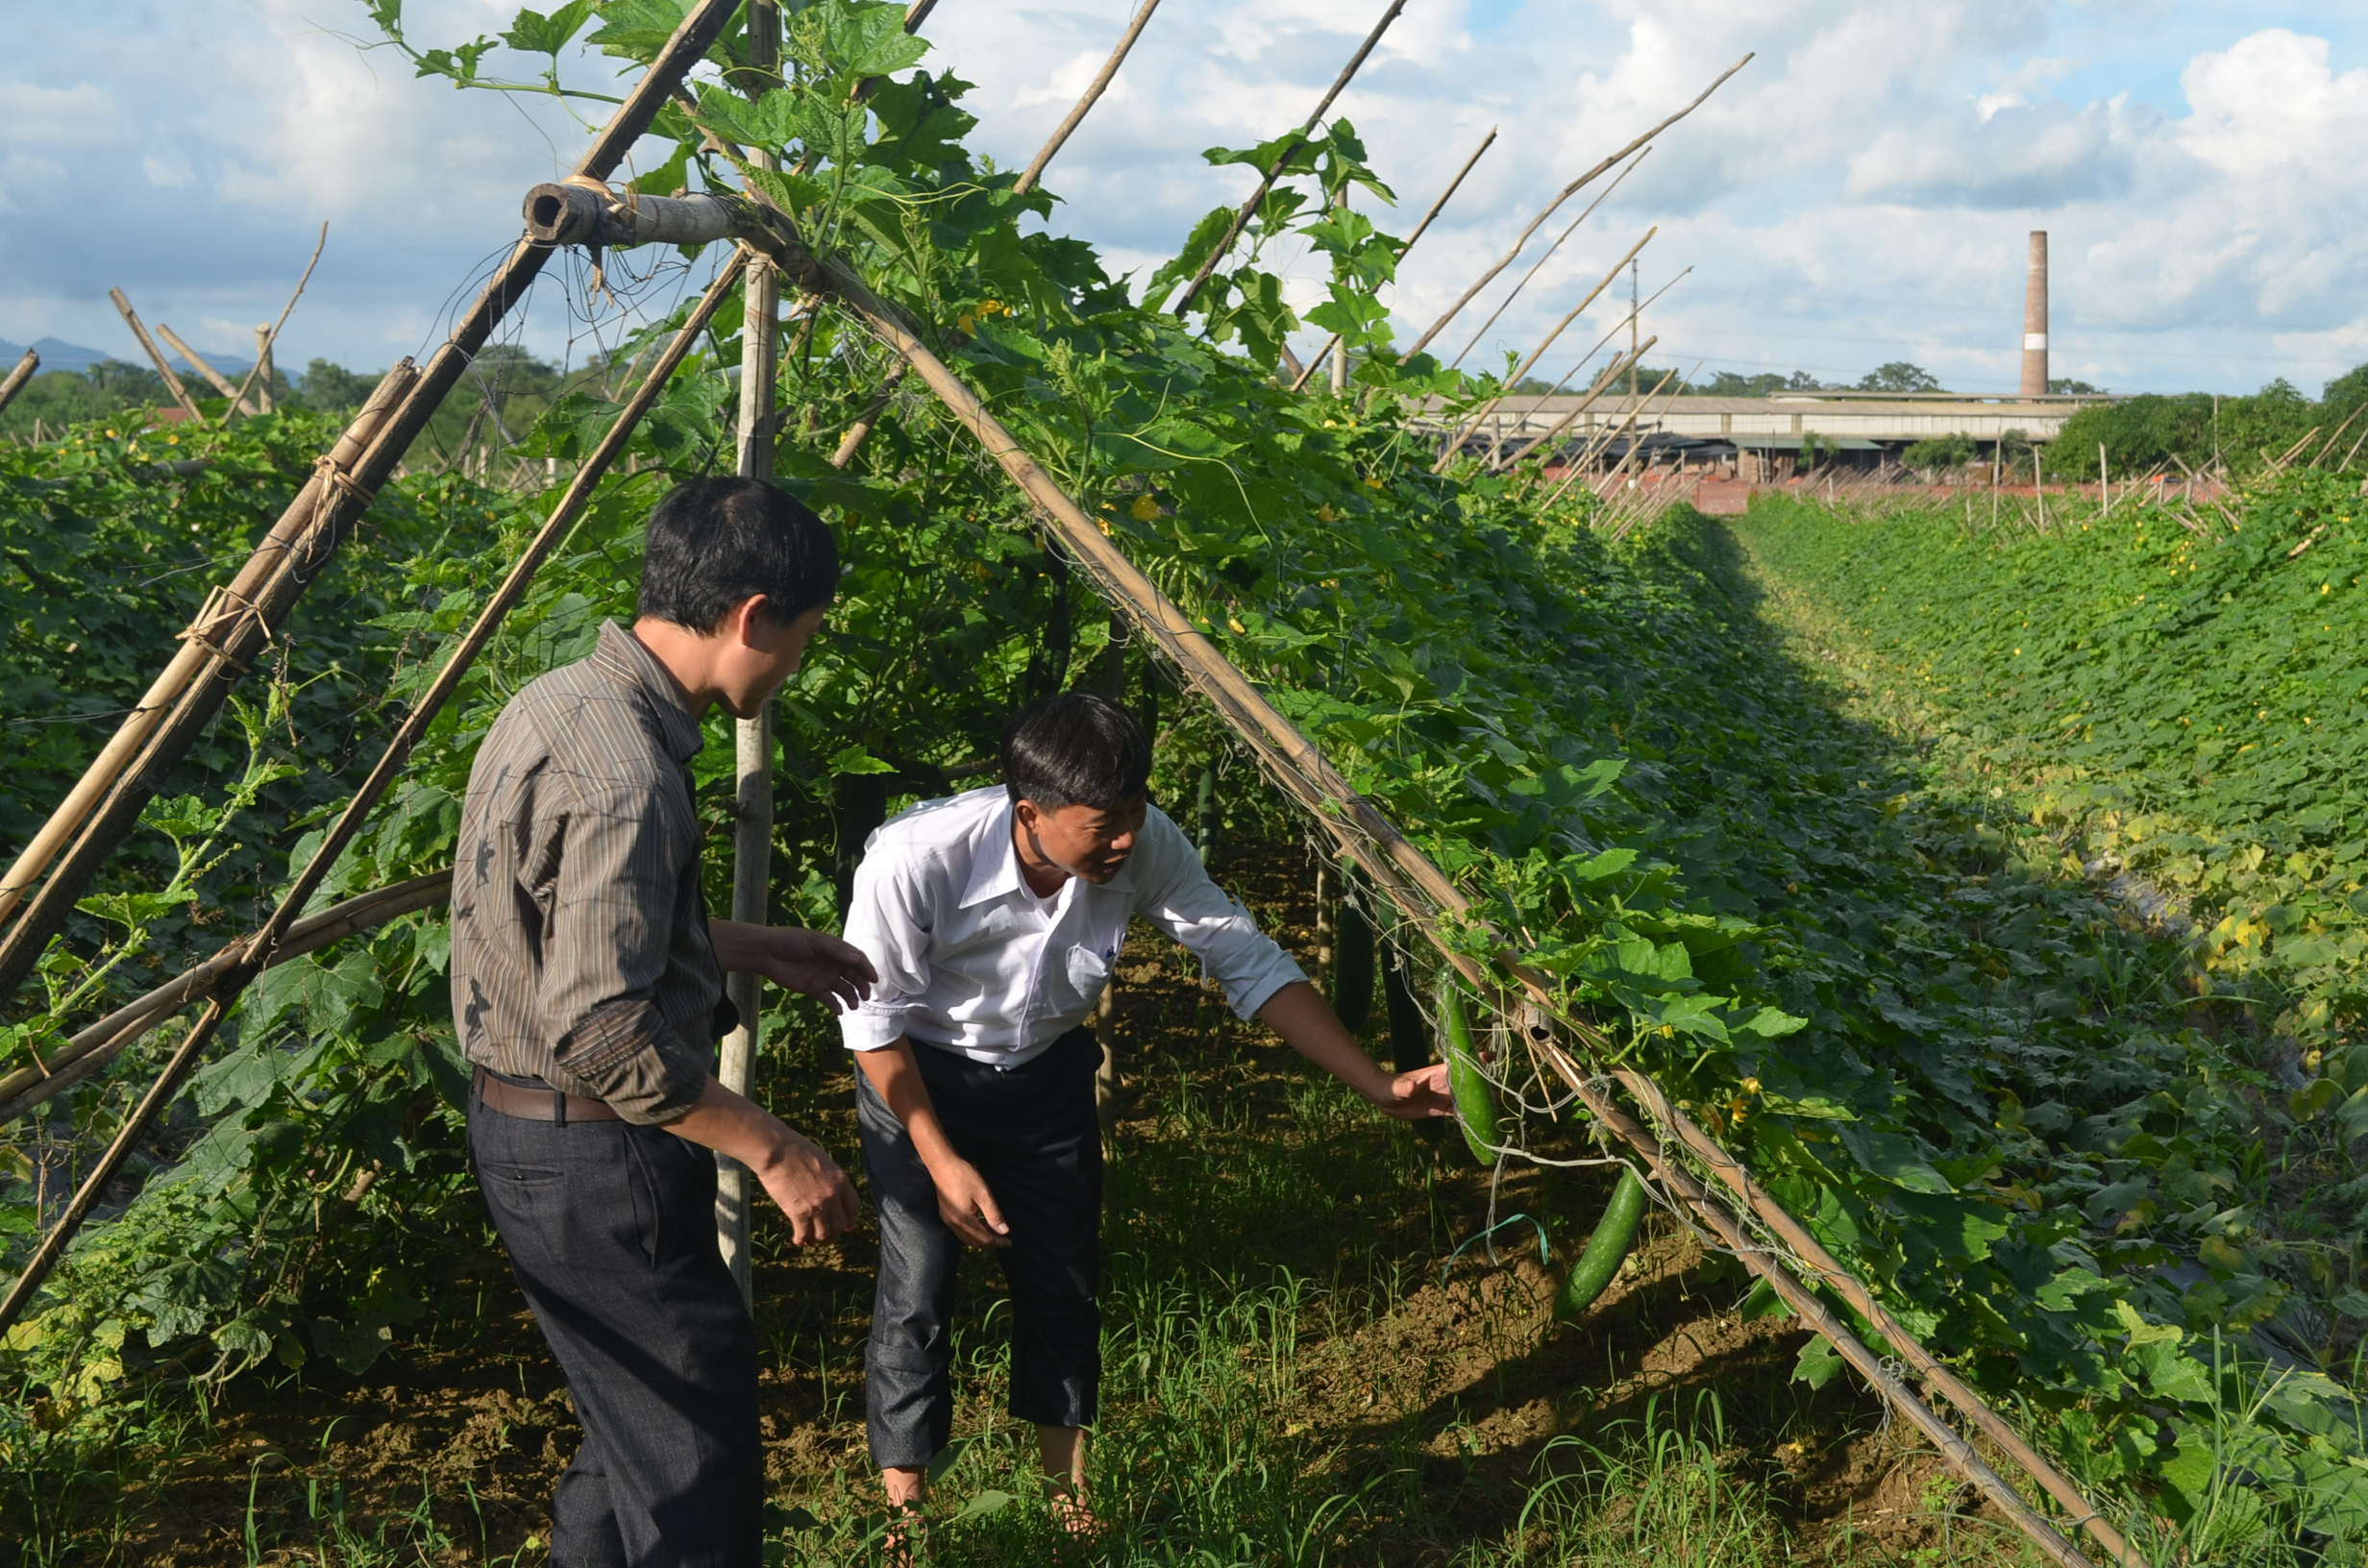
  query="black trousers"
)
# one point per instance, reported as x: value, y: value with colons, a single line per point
x: 1033, y: 1136
x: 611, y: 1228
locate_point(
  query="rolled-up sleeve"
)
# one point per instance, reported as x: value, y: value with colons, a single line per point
x: 608, y: 934
x: 887, y: 918
x: 1183, y: 902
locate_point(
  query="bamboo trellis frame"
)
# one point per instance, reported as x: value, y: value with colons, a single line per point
x: 1421, y: 890
x: 1568, y: 191
x: 1395, y: 866
x: 135, y: 763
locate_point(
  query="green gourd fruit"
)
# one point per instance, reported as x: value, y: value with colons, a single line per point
x: 1352, y: 968
x: 1475, y: 1098
x: 1615, y: 1234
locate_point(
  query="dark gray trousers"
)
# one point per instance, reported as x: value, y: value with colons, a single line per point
x: 1033, y: 1135
x: 611, y: 1228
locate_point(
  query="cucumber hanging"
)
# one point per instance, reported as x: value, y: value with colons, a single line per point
x: 1475, y: 1098
x: 1410, y: 1037
x: 1352, y: 966
x: 1615, y: 1233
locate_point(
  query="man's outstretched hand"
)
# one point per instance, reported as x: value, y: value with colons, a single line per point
x: 810, y: 963
x: 1414, y: 1095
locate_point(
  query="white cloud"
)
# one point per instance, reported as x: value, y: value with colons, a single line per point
x: 1860, y: 192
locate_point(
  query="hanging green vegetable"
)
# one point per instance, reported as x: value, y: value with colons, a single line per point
x: 1475, y: 1098
x: 1352, y: 966
x: 1615, y: 1233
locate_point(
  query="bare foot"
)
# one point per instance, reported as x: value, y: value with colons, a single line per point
x: 1075, y: 1518
x: 906, y: 1545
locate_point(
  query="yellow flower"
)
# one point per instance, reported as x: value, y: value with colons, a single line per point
x: 1373, y: 481
x: 1105, y: 523
x: 110, y: 435
x: 1144, y: 509
x: 174, y: 441
x: 965, y: 322
x: 1235, y: 621
x: 991, y: 308
x: 1751, y: 1086
x: 1326, y: 513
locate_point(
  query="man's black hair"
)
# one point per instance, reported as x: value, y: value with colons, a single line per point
x: 714, y: 543
x: 1075, y: 749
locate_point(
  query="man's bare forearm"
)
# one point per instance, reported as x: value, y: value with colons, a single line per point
x: 1308, y: 1025
x: 734, y: 1124
x: 896, y: 1076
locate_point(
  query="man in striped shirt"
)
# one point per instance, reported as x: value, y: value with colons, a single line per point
x: 587, y: 988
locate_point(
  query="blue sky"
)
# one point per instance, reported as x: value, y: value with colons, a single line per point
x: 1859, y: 194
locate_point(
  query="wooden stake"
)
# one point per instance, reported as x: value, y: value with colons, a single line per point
x: 1093, y: 95
x: 1540, y: 264
x: 94, y: 1047
x: 264, y: 376
x: 213, y: 376
x: 1334, y: 341
x: 315, y: 531
x: 858, y: 432
x: 752, y: 856
x: 1621, y: 364
x: 1633, y: 357
x: 256, y: 951
x: 1515, y: 379
x: 16, y: 383
x: 155, y: 357
x: 1568, y: 191
x: 1233, y: 229
x: 264, y: 343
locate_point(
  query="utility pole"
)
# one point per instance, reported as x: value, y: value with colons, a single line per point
x: 751, y: 859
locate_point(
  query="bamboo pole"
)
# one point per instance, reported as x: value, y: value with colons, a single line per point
x: 861, y: 430
x: 1332, y: 343
x: 1233, y: 229
x: 1633, y: 357
x: 751, y: 855
x: 1085, y: 104
x: 264, y: 336
x: 1634, y: 409
x: 1602, y: 384
x: 342, y: 494
x: 214, y: 377
x: 1536, y: 266
x: 264, y: 340
x: 1568, y: 191
x: 256, y: 951
x: 16, y: 383
x: 1537, y: 354
x: 94, y: 1047
x: 155, y: 356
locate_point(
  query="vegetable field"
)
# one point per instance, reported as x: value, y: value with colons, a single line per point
x: 1954, y: 997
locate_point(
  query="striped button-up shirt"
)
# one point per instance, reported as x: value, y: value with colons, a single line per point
x: 581, y: 953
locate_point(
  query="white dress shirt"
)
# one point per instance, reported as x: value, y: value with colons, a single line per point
x: 971, y: 959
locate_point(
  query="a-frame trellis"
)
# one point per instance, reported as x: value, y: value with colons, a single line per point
x: 1770, y: 1242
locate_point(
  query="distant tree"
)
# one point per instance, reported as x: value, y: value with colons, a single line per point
x: 57, y: 397
x: 329, y: 388
x: 1940, y: 451
x: 2282, y: 390
x: 2067, y: 387
x: 1899, y: 376
x: 1729, y: 384
x: 2346, y: 393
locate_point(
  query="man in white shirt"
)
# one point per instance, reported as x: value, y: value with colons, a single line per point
x: 993, y: 918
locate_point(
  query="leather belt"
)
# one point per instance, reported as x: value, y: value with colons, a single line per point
x: 543, y: 1104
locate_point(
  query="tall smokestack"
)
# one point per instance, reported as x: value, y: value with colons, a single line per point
x: 2035, y: 318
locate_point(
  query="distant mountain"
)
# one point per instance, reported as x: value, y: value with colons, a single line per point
x: 59, y: 354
